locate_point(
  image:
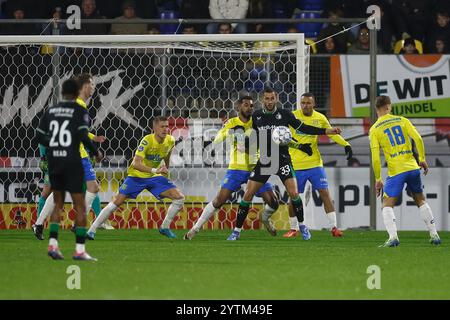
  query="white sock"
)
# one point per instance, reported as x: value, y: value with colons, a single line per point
x: 53, y: 242
x: 79, y: 248
x: 176, y: 206
x: 427, y: 216
x: 237, y: 229
x: 46, y: 210
x: 389, y: 222
x: 293, y: 221
x: 103, y: 216
x: 267, y: 213
x: 88, y: 199
x: 207, y: 213
x: 331, y: 216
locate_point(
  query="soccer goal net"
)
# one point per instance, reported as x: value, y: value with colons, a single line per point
x: 195, y: 80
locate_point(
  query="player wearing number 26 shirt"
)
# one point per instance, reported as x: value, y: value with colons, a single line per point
x: 392, y: 134
x: 61, y: 130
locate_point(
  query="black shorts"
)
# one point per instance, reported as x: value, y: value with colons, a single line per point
x: 68, y: 178
x: 262, y: 173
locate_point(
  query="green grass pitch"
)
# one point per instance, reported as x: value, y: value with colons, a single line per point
x: 141, y: 264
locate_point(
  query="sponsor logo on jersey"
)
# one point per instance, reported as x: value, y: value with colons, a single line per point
x: 267, y: 127
x: 141, y: 148
x: 278, y: 116
x: 156, y: 157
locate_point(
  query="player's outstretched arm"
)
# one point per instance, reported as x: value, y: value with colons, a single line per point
x: 340, y: 141
x: 299, y: 125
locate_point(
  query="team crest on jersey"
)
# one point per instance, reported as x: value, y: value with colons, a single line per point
x: 86, y: 118
x: 315, y: 122
x: 278, y: 116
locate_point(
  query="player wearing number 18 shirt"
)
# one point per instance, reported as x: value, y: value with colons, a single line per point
x: 273, y: 159
x: 61, y: 130
x: 393, y: 134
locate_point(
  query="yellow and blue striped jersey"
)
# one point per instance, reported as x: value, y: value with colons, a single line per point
x: 152, y: 152
x: 83, y: 152
x: 300, y: 160
x: 392, y: 134
x: 239, y: 160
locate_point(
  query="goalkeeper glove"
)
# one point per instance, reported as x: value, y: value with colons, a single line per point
x: 349, y: 152
x: 43, y: 165
x: 306, y: 148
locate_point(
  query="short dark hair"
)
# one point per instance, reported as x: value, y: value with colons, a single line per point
x: 309, y: 95
x: 69, y: 89
x: 159, y: 119
x: 269, y: 90
x: 247, y: 97
x: 225, y: 24
x: 382, y: 101
x: 83, y: 78
x: 409, y: 41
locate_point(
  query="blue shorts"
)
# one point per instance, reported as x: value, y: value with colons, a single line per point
x: 394, y: 185
x: 316, y: 176
x: 132, y: 186
x: 89, y: 173
x: 235, y: 178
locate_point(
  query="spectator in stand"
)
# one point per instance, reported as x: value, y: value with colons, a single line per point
x: 362, y: 44
x: 195, y: 9
x: 417, y: 16
x: 89, y: 11
x: 341, y: 40
x: 441, y: 46
x: 219, y: 9
x: 260, y: 9
x: 154, y: 30
x: 439, y: 29
x: 129, y: 14
x: 292, y: 29
x: 48, y: 28
x: 18, y: 13
x: 225, y: 28
x: 328, y: 47
x: 189, y: 29
x: 409, y: 47
x: 331, y: 45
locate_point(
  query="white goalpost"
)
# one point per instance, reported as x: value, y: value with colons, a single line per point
x: 195, y: 80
